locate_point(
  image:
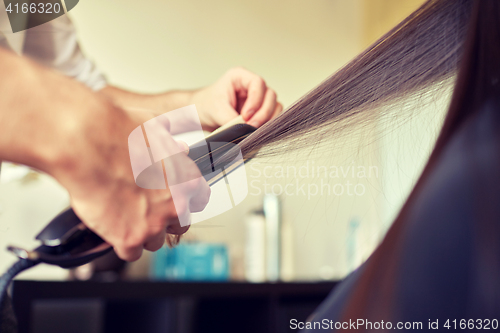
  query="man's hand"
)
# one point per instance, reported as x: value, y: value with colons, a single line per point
x: 238, y: 91
x: 106, y: 197
x: 59, y: 126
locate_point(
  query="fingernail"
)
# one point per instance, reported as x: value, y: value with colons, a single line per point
x: 254, y: 124
x: 250, y: 113
x: 183, y: 146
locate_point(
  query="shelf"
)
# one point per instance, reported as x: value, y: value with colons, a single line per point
x: 191, y: 307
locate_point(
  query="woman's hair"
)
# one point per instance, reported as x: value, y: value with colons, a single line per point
x: 443, y: 39
x: 413, y: 59
x: 477, y: 87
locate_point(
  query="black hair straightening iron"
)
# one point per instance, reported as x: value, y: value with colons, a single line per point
x: 68, y: 243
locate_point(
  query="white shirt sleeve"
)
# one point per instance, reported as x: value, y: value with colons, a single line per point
x: 55, y: 45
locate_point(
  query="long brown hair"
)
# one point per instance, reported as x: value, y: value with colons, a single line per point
x: 439, y: 40
x: 477, y: 86
x: 415, y: 58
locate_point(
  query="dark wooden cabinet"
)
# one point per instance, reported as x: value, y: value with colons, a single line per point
x: 151, y: 307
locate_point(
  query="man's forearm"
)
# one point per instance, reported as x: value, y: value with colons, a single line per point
x: 23, y: 106
x: 237, y: 92
x: 39, y: 113
x: 155, y: 103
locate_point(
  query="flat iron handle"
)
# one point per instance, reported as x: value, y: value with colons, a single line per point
x: 67, y: 242
x: 62, y: 229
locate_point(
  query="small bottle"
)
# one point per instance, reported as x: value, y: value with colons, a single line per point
x: 255, y: 247
x: 352, y: 255
x: 272, y: 214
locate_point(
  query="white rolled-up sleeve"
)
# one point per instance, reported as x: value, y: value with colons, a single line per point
x: 55, y: 45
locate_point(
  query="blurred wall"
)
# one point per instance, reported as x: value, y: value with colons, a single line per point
x: 161, y: 45
x: 381, y: 15
x: 294, y: 45
x: 152, y: 45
